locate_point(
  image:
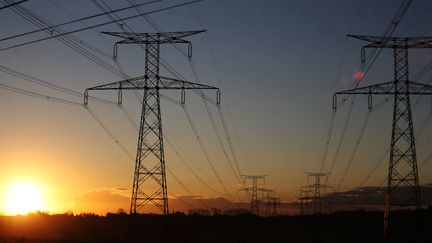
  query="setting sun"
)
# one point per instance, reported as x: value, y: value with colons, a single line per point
x: 22, y: 198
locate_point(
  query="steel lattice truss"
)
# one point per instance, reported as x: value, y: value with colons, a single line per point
x: 149, y: 184
x: 311, y: 194
x: 395, y: 42
x: 160, y: 82
x: 403, y: 171
x: 391, y: 88
x: 254, y: 188
x: 153, y: 38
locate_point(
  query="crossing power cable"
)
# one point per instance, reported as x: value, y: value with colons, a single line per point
x: 126, y: 28
x: 368, y: 62
x: 224, y: 124
x: 123, y: 148
x: 380, y: 161
x: 98, y: 120
x: 329, y: 135
x: 92, y: 113
x: 71, y: 41
x: 171, y: 145
x: 12, y: 4
x: 357, y: 143
x: 73, y: 21
x: 38, y: 95
x: 98, y: 25
x: 225, y: 98
x: 237, y: 172
x: 50, y: 85
x: 204, y: 150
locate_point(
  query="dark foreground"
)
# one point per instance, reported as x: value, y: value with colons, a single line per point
x: 337, y: 227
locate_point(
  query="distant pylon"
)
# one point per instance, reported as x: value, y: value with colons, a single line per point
x: 304, y: 200
x: 311, y: 194
x: 403, y: 171
x: 254, y: 188
x: 268, y: 195
x: 149, y: 184
x: 273, y: 205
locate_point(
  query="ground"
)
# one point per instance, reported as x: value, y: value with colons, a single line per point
x: 359, y: 226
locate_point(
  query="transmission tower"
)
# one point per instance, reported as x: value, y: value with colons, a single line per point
x: 268, y: 195
x: 149, y: 183
x: 313, y: 192
x: 403, y: 172
x: 304, y: 197
x: 272, y: 204
x: 254, y: 188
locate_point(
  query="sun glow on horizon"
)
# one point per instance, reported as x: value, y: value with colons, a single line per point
x: 23, y: 197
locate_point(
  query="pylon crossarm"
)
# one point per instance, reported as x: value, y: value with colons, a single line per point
x: 395, y: 42
x: 171, y: 83
x: 389, y: 88
x: 138, y: 83
x: 153, y: 38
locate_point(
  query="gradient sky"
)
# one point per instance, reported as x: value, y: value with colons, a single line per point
x: 279, y: 64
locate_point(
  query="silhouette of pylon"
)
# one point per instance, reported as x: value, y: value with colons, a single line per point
x: 403, y: 171
x: 149, y: 184
x: 253, y: 189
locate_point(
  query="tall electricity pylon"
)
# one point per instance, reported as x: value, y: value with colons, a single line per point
x: 304, y: 197
x: 273, y: 204
x: 149, y: 183
x: 315, y: 189
x: 268, y: 195
x: 403, y: 170
x: 254, y: 188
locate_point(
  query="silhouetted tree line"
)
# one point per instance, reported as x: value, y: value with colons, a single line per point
x: 212, y: 225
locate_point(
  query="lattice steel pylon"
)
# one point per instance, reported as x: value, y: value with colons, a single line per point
x: 272, y: 206
x: 314, y: 188
x: 254, y: 188
x: 403, y: 172
x: 149, y: 184
x: 269, y: 194
x: 304, y: 197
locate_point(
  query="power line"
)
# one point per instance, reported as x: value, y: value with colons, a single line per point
x: 75, y: 21
x: 204, y: 150
x: 344, y: 129
x: 357, y: 143
x: 236, y: 171
x: 362, y: 130
x: 328, y: 138
x: 382, y: 159
x: 228, y: 136
x: 38, y: 95
x: 171, y: 144
x: 124, y: 25
x: 226, y: 102
x: 98, y: 25
x: 101, y: 124
x: 50, y: 85
x: 368, y: 62
x: 184, y: 162
x: 12, y: 4
x: 70, y: 41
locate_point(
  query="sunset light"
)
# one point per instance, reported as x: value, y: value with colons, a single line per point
x: 23, y: 197
x: 215, y: 121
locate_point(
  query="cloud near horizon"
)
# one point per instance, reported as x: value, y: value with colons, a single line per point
x: 110, y: 200
x: 101, y: 201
